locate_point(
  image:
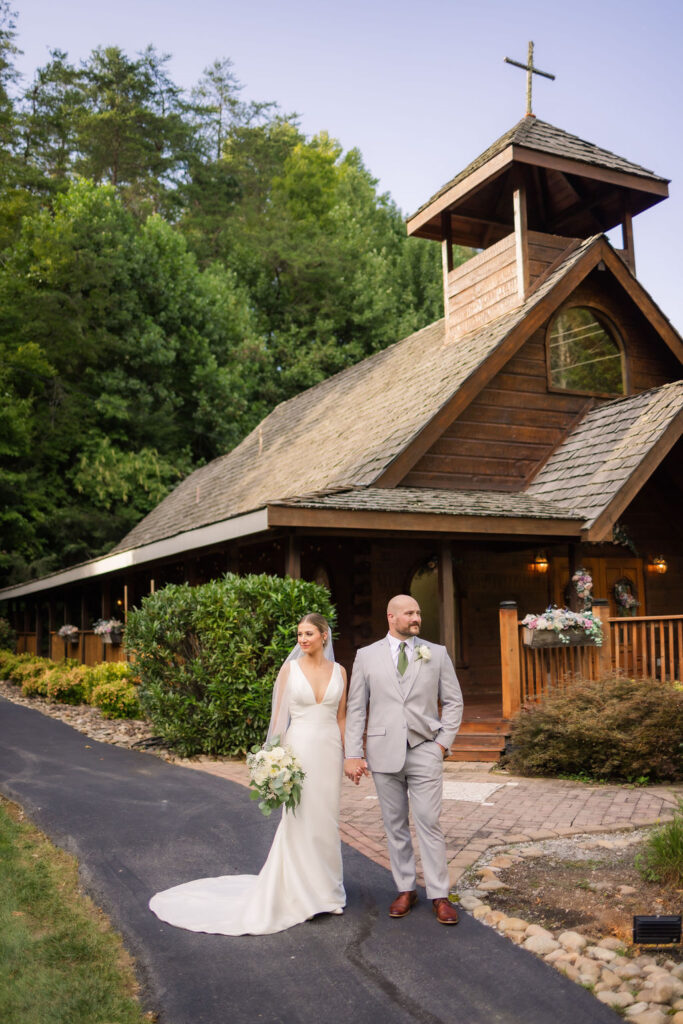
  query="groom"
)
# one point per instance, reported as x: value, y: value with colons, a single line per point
x: 396, y: 684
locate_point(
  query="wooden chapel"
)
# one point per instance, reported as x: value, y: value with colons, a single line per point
x: 534, y: 429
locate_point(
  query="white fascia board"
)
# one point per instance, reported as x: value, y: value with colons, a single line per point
x: 203, y: 536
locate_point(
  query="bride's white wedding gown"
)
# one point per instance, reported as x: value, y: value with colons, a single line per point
x: 303, y: 873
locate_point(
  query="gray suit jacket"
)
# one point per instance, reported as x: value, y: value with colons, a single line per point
x: 397, y: 708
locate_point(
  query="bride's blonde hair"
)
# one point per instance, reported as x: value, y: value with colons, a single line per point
x: 319, y: 621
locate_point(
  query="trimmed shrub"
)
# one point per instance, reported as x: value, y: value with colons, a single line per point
x: 613, y: 728
x: 117, y: 699
x: 208, y: 656
x: 29, y: 672
x: 66, y: 682
x: 8, y: 660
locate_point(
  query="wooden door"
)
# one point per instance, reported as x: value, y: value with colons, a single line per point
x: 605, y: 572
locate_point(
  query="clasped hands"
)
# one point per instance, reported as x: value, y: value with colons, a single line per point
x: 355, y: 768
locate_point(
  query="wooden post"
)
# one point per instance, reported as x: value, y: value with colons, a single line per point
x: 39, y: 629
x: 601, y: 611
x: 447, y: 600
x: 509, y: 658
x: 521, y: 240
x: 446, y: 257
x: 83, y: 625
x: 627, y: 240
x: 293, y: 557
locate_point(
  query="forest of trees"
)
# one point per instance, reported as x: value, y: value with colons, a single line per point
x: 172, y: 265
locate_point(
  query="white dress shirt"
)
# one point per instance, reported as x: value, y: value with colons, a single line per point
x: 396, y: 641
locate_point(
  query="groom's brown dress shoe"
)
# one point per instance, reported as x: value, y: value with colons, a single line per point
x: 403, y: 903
x: 445, y: 911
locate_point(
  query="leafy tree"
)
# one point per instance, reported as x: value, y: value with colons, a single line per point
x: 132, y: 131
x: 152, y: 366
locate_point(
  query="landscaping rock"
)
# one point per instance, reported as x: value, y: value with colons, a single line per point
x: 501, y: 861
x: 627, y: 969
x: 635, y: 1009
x: 621, y: 999
x: 649, y: 1017
x: 572, y: 940
x: 540, y: 944
x: 611, y: 943
x: 516, y: 924
x: 662, y: 990
x: 491, y: 885
x: 535, y: 929
x: 598, y: 953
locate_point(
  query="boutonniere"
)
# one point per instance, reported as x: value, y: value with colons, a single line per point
x: 423, y: 653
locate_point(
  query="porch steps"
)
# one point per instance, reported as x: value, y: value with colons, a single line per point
x: 481, y: 739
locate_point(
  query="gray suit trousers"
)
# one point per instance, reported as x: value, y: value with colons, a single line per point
x: 422, y: 778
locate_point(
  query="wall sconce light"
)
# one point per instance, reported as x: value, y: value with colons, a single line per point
x: 658, y: 565
x: 539, y: 564
x: 119, y: 602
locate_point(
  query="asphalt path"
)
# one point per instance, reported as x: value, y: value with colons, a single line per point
x: 138, y: 825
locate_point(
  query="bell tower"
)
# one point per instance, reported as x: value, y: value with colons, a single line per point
x: 526, y: 202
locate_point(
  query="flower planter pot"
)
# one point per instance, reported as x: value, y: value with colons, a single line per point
x: 114, y: 638
x: 549, y: 638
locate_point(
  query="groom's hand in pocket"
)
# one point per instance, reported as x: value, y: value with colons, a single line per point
x: 354, y: 767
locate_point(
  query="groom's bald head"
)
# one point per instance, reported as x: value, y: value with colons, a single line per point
x: 403, y: 616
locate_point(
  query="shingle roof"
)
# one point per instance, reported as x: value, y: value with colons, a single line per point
x: 342, y: 433
x: 546, y: 138
x: 438, y: 501
x: 588, y: 470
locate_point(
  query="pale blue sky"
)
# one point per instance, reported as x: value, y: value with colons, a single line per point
x: 421, y: 88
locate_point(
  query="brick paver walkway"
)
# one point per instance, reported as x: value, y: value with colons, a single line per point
x: 519, y: 810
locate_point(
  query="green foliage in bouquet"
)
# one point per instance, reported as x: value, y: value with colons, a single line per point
x: 613, y: 728
x: 276, y: 777
x: 208, y: 656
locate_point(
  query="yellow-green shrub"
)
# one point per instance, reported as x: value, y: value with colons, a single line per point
x: 66, y: 683
x: 117, y: 699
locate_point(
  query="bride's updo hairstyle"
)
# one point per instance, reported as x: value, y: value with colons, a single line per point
x: 320, y: 623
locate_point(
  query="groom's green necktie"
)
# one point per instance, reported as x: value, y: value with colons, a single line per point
x: 402, y: 657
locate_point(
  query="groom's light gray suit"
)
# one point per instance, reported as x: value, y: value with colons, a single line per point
x: 404, y: 731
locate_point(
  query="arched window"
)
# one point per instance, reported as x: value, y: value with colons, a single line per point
x: 424, y: 587
x: 583, y: 355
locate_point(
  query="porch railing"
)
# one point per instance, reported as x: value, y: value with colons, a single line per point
x: 643, y: 646
x: 648, y: 646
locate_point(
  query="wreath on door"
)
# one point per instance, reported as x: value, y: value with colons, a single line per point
x: 625, y: 596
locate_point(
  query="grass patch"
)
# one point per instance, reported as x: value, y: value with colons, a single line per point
x: 662, y: 859
x: 60, y: 961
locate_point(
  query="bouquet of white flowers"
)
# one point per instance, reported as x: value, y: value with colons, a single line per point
x: 275, y: 777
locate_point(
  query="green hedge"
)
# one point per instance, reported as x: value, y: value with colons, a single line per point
x: 207, y: 656
x: 111, y: 686
x: 609, y: 729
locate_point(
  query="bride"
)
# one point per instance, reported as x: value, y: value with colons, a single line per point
x: 303, y: 873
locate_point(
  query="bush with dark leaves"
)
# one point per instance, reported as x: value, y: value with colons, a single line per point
x: 207, y: 657
x: 610, y: 729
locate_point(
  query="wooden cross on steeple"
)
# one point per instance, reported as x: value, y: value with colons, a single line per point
x: 530, y: 70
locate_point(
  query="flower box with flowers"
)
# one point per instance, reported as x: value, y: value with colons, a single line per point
x: 109, y: 630
x: 560, y: 627
x: 68, y: 633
